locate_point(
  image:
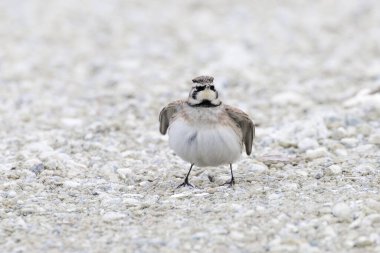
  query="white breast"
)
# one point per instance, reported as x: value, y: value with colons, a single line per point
x: 204, y: 145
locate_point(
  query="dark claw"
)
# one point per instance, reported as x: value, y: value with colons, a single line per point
x: 230, y: 182
x: 185, y: 183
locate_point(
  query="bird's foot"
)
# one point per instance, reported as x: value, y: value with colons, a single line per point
x: 185, y: 183
x: 230, y: 183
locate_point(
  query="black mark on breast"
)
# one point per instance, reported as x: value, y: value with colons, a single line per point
x: 193, y: 137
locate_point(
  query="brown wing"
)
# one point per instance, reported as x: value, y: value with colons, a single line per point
x: 246, y: 125
x: 167, y: 113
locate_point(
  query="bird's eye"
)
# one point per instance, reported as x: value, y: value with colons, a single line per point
x: 212, y: 87
x: 199, y: 88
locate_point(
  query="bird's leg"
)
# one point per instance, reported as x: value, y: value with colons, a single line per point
x: 186, y: 182
x: 232, y: 181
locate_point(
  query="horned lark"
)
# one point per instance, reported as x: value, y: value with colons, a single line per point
x: 205, y: 132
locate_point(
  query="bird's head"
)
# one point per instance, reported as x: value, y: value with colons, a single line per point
x: 203, y: 92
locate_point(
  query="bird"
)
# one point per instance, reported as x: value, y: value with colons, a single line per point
x: 205, y: 132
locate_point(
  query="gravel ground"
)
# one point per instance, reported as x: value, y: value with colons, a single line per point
x: 83, y: 167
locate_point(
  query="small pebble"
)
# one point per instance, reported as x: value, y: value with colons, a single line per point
x: 38, y: 168
x: 71, y: 184
x: 287, y: 143
x: 181, y: 195
x: 307, y: 143
x: 364, y: 129
x: 341, y: 152
x: 339, y: 133
x: 350, y: 142
x: 373, y: 204
x: 319, y: 174
x: 112, y: 216
x: 131, y: 202
x: 11, y: 194
x: 363, y: 169
x: 342, y: 210
x: 374, y: 139
x: 333, y: 170
x: 372, y: 220
x: 290, y: 187
x: 363, y: 241
x: 235, y: 235
x: 316, y: 153
x: 259, y: 168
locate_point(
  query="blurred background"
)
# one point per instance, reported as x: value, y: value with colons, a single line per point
x: 67, y: 49
x: 115, y: 64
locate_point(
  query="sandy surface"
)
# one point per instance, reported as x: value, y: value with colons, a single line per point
x: 83, y: 167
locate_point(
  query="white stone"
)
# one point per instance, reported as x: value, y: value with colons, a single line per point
x: 324, y: 210
x: 333, y: 170
x: 236, y: 235
x: 274, y: 196
x: 339, y: 133
x: 124, y: 172
x: 316, y: 153
x: 112, y: 216
x: 72, y: 122
x: 341, y: 152
x: 203, y: 194
x: 261, y: 209
x: 259, y: 168
x: 364, y: 169
x: 110, y: 202
x: 302, y: 173
x: 290, y: 187
x: 307, y: 143
x: 342, y: 210
x: 363, y: 241
x: 131, y: 202
x: 275, y: 159
x: 364, y: 98
x: 181, y: 195
x: 373, y: 204
x: 71, y: 184
x: 31, y: 162
x: 364, y: 129
x: 11, y: 194
x: 366, y: 148
x: 350, y: 142
x: 287, y: 142
x: 374, y: 139
x: 39, y: 147
x: 372, y: 220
